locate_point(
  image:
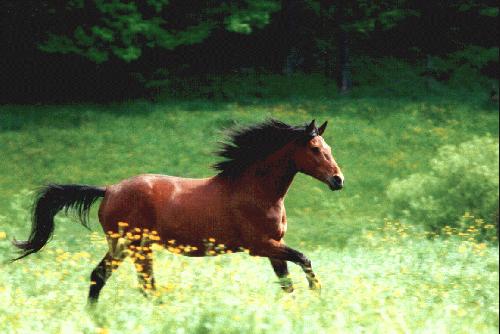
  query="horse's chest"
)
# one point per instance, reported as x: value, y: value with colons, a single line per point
x: 281, y: 228
x: 275, y: 227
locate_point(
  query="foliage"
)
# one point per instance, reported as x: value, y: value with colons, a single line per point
x: 247, y: 15
x: 248, y: 87
x: 362, y: 16
x: 388, y: 77
x: 125, y: 28
x: 374, y: 77
x: 99, y: 50
x: 462, y: 69
x: 475, y: 56
x: 484, y: 8
x: 461, y: 179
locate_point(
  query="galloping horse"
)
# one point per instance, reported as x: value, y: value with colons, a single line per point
x: 240, y: 208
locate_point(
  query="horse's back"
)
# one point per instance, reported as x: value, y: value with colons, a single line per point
x: 149, y: 200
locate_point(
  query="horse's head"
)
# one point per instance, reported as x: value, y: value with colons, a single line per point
x: 313, y: 157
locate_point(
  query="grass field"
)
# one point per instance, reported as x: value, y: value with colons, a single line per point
x: 377, y: 275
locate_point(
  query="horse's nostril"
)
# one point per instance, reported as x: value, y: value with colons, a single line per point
x: 338, y: 180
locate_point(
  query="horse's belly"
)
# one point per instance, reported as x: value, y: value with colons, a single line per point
x: 195, y: 218
x: 199, y: 236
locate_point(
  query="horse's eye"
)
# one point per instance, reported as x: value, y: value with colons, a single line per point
x: 315, y: 149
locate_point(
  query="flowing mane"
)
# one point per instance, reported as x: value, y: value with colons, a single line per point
x: 247, y: 145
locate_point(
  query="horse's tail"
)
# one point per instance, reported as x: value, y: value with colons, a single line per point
x: 49, y: 201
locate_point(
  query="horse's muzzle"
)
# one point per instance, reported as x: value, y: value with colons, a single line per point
x: 336, y: 182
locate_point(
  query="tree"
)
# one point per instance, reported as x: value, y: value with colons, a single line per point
x: 100, y: 29
x: 455, y: 34
x: 342, y: 20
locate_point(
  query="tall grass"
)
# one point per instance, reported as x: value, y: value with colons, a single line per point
x: 389, y: 280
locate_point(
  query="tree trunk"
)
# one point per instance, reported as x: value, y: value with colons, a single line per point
x: 327, y: 28
x: 428, y: 71
x: 344, y: 79
x: 293, y: 59
x: 344, y: 76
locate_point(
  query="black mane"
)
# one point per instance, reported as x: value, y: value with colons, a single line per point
x: 245, y: 146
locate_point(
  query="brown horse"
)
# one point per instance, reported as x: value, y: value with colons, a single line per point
x: 241, y: 208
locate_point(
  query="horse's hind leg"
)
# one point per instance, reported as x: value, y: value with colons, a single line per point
x: 281, y: 269
x: 110, y: 262
x: 143, y: 261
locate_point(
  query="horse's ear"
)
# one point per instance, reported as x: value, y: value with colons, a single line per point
x: 311, y: 128
x: 322, y: 128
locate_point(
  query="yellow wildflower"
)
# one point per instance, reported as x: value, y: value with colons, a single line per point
x: 102, y: 330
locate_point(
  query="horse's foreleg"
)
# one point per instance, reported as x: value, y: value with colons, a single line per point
x: 278, y: 250
x: 281, y: 269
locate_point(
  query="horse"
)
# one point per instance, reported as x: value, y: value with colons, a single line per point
x: 241, y: 208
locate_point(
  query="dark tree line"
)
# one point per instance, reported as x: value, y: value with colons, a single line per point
x: 102, y: 50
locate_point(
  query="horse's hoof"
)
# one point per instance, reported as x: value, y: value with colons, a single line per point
x: 315, y: 285
x: 287, y: 289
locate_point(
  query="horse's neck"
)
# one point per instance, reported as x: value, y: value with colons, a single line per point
x: 270, y: 178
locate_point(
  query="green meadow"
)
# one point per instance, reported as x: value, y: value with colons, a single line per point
x: 379, y: 274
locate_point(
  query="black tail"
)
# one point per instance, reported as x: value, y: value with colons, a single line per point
x: 49, y: 201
